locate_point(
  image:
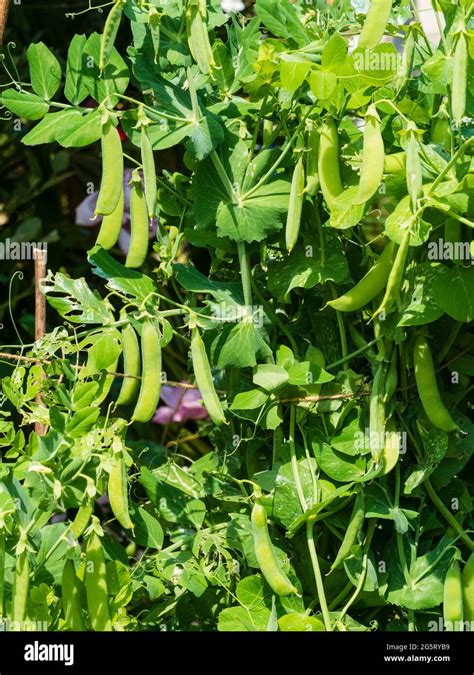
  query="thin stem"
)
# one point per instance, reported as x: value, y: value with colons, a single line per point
x: 352, y: 355
x: 400, y: 547
x: 342, y: 329
x: 317, y: 574
x: 360, y: 585
x: 275, y: 318
x: 411, y: 621
x: 257, y: 126
x: 223, y: 176
x: 449, y: 342
x: 294, y: 460
x: 245, y: 273
x: 450, y: 164
x: 339, y: 598
x: 448, y: 516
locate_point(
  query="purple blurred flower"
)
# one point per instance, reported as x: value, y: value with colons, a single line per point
x: 181, y: 405
x: 85, y: 214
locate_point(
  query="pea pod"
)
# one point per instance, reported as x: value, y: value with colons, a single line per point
x: 377, y: 414
x: 459, y: 85
x: 198, y: 36
x: 312, y: 157
x: 131, y: 366
x: 95, y: 581
x: 109, y: 35
x: 293, y: 221
x: 149, y: 172
x: 369, y: 286
x: 395, y: 277
x: 71, y: 598
x: 112, y: 225
x: 154, y: 21
x: 151, y: 373
x: 395, y: 162
x: 350, y: 538
x: 21, y: 586
x: 441, y: 127
x: 391, y: 449
x: 468, y: 589
x: 375, y: 23
x: 265, y: 554
x: 391, y: 379
x: 118, y: 492
x: 414, y: 169
x: 138, y: 249
x: 204, y: 379
x: 83, y: 516
x: 427, y: 386
x: 453, y: 597
x: 373, y: 155
x: 406, y: 65
x: 328, y: 163
x: 111, y: 186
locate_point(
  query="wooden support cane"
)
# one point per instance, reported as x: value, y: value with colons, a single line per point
x: 4, y: 5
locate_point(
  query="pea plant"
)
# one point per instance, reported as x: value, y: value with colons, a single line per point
x: 296, y: 286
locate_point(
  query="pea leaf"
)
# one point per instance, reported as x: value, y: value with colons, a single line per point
x: 121, y: 278
x: 422, y: 307
x: 45, y: 70
x: 50, y: 127
x: 453, y: 290
x: 283, y: 19
x: 26, y: 105
x: 75, y: 89
x: 74, y: 300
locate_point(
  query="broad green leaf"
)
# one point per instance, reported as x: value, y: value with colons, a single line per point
x: 422, y: 307
x: 75, y: 301
x: 50, y: 128
x: 323, y: 84
x: 121, y: 278
x: 79, y: 130
x: 270, y: 377
x: 293, y: 72
x: 300, y: 622
x: 114, y: 79
x: 148, y: 531
x: 238, y: 344
x: 283, y: 19
x: 75, y: 89
x: 286, y: 503
x: 193, y: 280
x: 82, y: 422
x: 104, y: 351
x: 344, y: 212
x: 26, y: 105
x: 339, y: 466
x: 453, y: 290
x: 45, y: 70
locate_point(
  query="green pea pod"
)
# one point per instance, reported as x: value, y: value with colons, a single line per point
x: 154, y: 21
x: 111, y: 186
x: 377, y: 414
x: 198, y: 36
x: 453, y: 597
x: 150, y: 388
x: 375, y: 23
x: 373, y: 155
x: 396, y: 276
x: 395, y: 162
x: 118, y: 492
x: 138, y: 249
x: 391, y: 379
x: 108, y: 378
x: 21, y: 586
x: 406, y: 65
x: 355, y: 525
x: 112, y: 225
x: 328, y: 163
x: 83, y: 516
x: 95, y: 581
x: 391, y: 449
x: 149, y: 172
x: 312, y: 159
x: 427, y: 386
x: 468, y: 589
x: 131, y: 366
x: 293, y: 221
x: 204, y: 379
x: 2, y: 570
x: 459, y: 85
x: 265, y: 554
x: 369, y: 286
x: 109, y: 35
x: 414, y: 170
x: 71, y: 597
x: 441, y: 127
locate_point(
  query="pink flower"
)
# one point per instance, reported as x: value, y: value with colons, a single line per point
x: 181, y: 405
x: 85, y: 214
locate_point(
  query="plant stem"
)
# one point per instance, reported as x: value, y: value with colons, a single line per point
x: 245, y: 273
x: 294, y: 460
x: 360, y: 585
x: 352, y: 355
x: 448, y: 516
x: 342, y: 330
x: 449, y: 342
x: 317, y: 574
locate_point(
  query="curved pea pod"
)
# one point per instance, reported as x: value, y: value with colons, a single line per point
x: 82, y: 519
x: 328, y: 162
x: 112, y: 225
x: 150, y: 388
x: 111, y: 186
x: 427, y: 387
x: 138, y: 249
x: 375, y: 23
x: 198, y: 36
x: 21, y: 585
x: 265, y: 554
x: 406, y: 65
x: 131, y: 366
x: 106, y: 383
x: 149, y: 172
x: 395, y: 162
x: 453, y: 611
x: 71, y: 598
x: 95, y: 581
x: 377, y: 414
x: 369, y: 286
x: 373, y: 155
x: 204, y: 379
x: 295, y: 210
x: 414, y: 169
x: 391, y: 449
x: 441, y: 127
x: 312, y: 158
x: 395, y: 277
x: 118, y: 492
x: 109, y: 35
x: 468, y: 589
x: 459, y: 85
x: 154, y: 21
x: 355, y: 525
x: 391, y: 379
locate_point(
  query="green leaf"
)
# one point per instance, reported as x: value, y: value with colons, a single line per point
x: 270, y: 377
x: 45, y: 70
x: 286, y: 503
x: 121, y: 278
x: 75, y: 301
x: 339, y: 466
x: 148, y: 531
x: 103, y: 353
x: 193, y: 280
x: 301, y: 623
x: 75, y: 89
x: 422, y: 307
x: 50, y: 128
x: 344, y: 212
x: 114, y: 78
x: 238, y: 345
x: 82, y: 422
x: 283, y: 19
x: 453, y: 290
x: 293, y: 72
x: 79, y: 130
x: 323, y: 84
x: 26, y: 105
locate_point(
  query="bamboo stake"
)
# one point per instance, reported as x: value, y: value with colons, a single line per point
x: 4, y: 5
